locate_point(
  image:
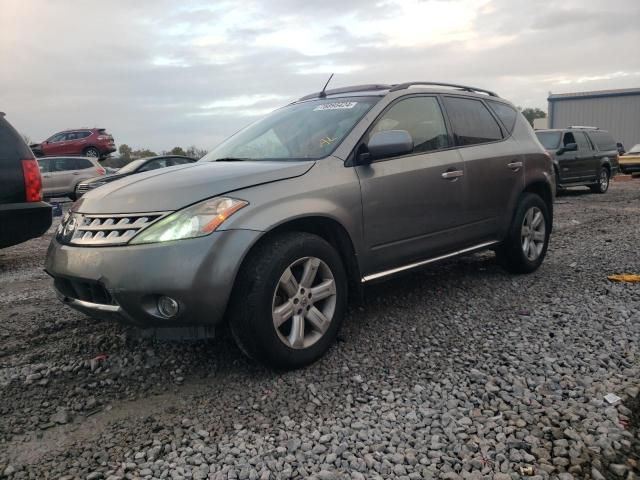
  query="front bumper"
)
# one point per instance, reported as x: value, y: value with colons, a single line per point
x: 124, y: 282
x: 629, y: 167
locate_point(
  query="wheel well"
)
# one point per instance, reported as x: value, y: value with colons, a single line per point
x: 543, y: 190
x: 335, y: 234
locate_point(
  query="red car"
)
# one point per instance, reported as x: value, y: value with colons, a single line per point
x: 88, y: 142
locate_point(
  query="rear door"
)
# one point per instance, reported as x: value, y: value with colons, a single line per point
x: 45, y: 171
x: 84, y: 169
x: 411, y: 211
x: 586, y: 156
x: 493, y: 162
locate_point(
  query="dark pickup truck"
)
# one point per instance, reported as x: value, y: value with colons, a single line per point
x: 23, y: 214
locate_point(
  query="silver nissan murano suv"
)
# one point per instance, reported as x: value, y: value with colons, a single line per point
x: 273, y: 229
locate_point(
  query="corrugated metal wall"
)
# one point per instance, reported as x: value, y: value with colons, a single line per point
x: 620, y: 115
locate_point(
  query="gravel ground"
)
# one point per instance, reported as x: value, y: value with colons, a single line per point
x: 460, y: 371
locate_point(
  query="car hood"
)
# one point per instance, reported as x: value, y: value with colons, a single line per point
x: 173, y: 188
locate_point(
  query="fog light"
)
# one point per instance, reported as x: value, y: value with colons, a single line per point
x: 168, y: 307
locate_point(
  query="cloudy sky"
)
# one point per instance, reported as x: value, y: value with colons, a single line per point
x: 160, y: 73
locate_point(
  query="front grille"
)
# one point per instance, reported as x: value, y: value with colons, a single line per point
x: 93, y: 292
x: 101, y: 230
x: 82, y: 189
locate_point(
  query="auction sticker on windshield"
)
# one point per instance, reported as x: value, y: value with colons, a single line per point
x: 336, y: 106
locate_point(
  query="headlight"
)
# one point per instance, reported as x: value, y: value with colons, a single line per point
x: 195, y: 221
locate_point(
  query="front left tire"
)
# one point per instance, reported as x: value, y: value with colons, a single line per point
x: 289, y: 300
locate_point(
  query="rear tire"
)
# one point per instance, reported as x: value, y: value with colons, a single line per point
x: 91, y: 152
x: 525, y: 246
x: 604, y: 178
x: 289, y: 300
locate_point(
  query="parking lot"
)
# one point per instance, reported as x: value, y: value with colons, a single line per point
x: 460, y: 371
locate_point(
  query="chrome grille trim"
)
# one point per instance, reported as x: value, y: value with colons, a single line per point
x: 88, y: 229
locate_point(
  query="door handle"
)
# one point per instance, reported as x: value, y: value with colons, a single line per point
x: 76, y: 173
x: 452, y: 174
x: 515, y: 166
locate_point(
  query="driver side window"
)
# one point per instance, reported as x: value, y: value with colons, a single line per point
x: 422, y: 118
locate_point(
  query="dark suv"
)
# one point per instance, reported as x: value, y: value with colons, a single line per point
x: 23, y: 214
x: 274, y: 228
x: 581, y: 156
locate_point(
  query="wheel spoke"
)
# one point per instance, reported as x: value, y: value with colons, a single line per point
x: 296, y: 336
x: 529, y: 218
x: 525, y: 245
x: 324, y: 290
x: 282, y: 313
x: 530, y: 251
x: 289, y: 283
x: 318, y: 320
x: 538, y: 236
x: 310, y: 271
x: 537, y: 220
x: 525, y: 231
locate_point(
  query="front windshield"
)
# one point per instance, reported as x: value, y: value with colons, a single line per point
x: 307, y: 130
x: 549, y: 140
x: 635, y: 149
x: 132, y: 166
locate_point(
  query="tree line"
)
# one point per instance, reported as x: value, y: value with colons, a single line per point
x: 127, y: 154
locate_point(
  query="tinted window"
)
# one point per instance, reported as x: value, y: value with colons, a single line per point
x: 471, y: 120
x: 45, y: 165
x: 180, y: 161
x: 71, y: 136
x: 582, y: 141
x: 422, y: 118
x: 603, y: 140
x: 568, y: 138
x: 154, y: 164
x: 57, y: 137
x: 505, y: 113
x: 83, y: 134
x: 63, y: 164
x: 549, y: 140
x: 82, y: 163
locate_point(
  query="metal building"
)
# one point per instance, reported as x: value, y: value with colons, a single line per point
x: 617, y: 111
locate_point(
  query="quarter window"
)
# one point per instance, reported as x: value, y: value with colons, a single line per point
x: 505, y: 113
x: 472, y: 122
x: 422, y: 118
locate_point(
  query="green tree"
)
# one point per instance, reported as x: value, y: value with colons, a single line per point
x: 177, y: 151
x: 142, y: 153
x: 195, y: 152
x: 125, y: 151
x: 532, y: 113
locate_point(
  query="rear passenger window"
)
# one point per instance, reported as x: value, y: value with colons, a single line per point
x: 472, y: 122
x: 505, y: 113
x: 64, y: 164
x: 422, y: 118
x: 603, y: 140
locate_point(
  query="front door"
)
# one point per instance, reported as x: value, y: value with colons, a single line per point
x: 568, y: 163
x: 412, y: 204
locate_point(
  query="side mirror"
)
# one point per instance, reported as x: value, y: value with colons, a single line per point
x: 388, y: 144
x: 569, y: 147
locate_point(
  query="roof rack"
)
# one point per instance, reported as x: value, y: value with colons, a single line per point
x: 402, y: 86
x: 583, y: 127
x: 353, y: 88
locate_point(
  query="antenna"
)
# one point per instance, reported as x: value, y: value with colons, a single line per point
x: 322, y: 93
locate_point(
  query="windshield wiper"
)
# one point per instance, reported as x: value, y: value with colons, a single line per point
x: 231, y: 159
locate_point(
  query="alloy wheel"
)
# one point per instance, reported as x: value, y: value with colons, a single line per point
x: 304, y: 302
x: 604, y: 180
x: 533, y: 233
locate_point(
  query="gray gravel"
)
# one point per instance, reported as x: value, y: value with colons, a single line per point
x: 457, y: 372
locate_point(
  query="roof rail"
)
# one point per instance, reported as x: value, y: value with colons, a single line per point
x: 353, y: 88
x: 402, y: 86
x: 583, y: 127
